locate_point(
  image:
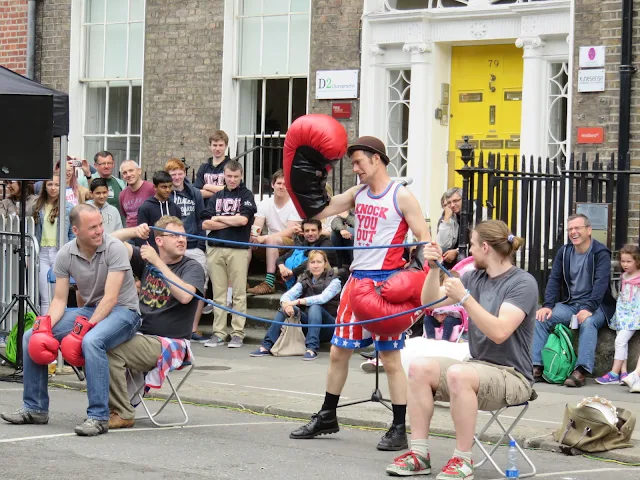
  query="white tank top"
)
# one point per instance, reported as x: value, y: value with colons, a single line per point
x: 379, y: 221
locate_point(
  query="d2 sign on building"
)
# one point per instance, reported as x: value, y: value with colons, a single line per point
x: 336, y: 84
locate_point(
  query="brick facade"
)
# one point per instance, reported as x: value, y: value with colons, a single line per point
x: 182, y: 78
x: 13, y: 35
x: 600, y: 23
x: 335, y: 45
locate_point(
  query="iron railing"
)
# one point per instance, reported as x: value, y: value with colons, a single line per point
x: 534, y: 197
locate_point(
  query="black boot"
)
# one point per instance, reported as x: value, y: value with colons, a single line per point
x: 322, y: 423
x: 394, y: 439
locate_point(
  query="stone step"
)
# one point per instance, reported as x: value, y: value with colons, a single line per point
x: 268, y: 302
x: 206, y: 322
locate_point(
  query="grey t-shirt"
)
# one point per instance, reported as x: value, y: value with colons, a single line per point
x: 162, y: 314
x: 90, y: 274
x: 580, y: 284
x: 518, y: 288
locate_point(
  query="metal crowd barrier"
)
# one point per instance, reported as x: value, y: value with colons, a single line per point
x: 9, y: 264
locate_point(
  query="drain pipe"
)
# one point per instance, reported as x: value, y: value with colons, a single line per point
x: 624, y: 123
x: 31, y: 39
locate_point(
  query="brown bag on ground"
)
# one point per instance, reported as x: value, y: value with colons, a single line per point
x: 586, y: 429
x: 291, y: 341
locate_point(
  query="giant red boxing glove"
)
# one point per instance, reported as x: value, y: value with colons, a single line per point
x: 72, y: 344
x: 43, y: 347
x: 406, y: 285
x: 314, y: 143
x: 367, y: 303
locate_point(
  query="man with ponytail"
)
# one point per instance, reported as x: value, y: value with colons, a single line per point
x: 500, y: 299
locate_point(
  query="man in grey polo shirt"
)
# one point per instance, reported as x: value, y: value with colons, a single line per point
x: 100, y: 265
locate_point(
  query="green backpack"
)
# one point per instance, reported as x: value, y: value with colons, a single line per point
x: 11, y: 350
x: 558, y: 356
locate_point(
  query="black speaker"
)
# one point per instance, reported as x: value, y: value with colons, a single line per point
x: 26, y: 137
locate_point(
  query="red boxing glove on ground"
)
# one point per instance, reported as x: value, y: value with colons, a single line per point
x: 43, y: 347
x: 72, y: 344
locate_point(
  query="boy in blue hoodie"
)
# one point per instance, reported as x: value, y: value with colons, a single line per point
x: 190, y: 202
x: 157, y: 206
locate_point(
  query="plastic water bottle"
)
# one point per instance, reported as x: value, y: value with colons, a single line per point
x: 512, y: 461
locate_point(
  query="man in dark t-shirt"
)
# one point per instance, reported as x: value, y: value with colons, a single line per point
x: 210, y: 176
x: 167, y: 311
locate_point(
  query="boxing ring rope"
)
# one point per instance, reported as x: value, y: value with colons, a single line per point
x: 155, y: 272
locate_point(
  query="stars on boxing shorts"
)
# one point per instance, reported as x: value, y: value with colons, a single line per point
x: 352, y: 344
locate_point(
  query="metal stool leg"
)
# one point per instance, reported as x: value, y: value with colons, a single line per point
x: 506, y: 434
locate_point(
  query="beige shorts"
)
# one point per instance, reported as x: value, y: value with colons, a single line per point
x: 499, y: 386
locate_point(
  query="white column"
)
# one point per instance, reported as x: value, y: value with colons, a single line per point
x: 421, y: 112
x: 533, y: 137
x: 373, y: 113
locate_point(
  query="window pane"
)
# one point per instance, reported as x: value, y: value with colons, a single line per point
x: 299, y: 98
x: 95, y: 11
x: 249, y: 105
x: 94, y: 111
x: 118, y: 108
x: 274, y: 54
x: 136, y: 40
x: 95, y: 51
x: 299, y: 44
x: 136, y: 110
x: 250, y: 7
x: 275, y: 6
x: 134, y: 150
x: 299, y: 6
x: 250, y: 46
x: 117, y: 10
x: 136, y: 10
x: 92, y: 145
x: 118, y: 147
x: 116, y: 51
x: 276, y: 108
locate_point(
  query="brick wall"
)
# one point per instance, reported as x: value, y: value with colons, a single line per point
x: 13, y: 35
x: 182, y: 75
x: 335, y: 45
x: 599, y: 22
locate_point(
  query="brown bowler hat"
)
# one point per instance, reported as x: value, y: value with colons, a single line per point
x: 370, y: 144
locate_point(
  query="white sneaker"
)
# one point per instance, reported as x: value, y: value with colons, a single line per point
x: 635, y: 388
x: 208, y: 308
x: 370, y: 366
x: 630, y: 379
x: 3, y: 341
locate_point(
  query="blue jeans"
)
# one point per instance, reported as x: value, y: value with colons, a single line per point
x: 118, y: 327
x: 315, y: 315
x: 430, y: 324
x: 587, y: 341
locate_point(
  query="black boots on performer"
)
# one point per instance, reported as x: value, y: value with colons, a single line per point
x: 325, y: 422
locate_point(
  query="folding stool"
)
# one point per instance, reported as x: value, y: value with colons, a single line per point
x: 506, y: 434
x: 139, y: 392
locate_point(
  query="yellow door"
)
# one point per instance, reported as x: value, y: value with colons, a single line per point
x: 486, y: 102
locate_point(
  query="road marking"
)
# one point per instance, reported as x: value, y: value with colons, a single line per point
x: 572, y: 472
x: 271, y: 389
x: 11, y: 389
x: 143, y: 429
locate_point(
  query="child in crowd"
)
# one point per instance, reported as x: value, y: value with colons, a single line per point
x: 445, y: 317
x: 111, y: 220
x: 627, y: 318
x: 157, y: 206
x: 46, y: 212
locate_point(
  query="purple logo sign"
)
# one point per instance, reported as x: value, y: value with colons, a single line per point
x: 592, y: 53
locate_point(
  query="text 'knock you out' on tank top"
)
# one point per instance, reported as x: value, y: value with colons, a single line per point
x: 379, y: 221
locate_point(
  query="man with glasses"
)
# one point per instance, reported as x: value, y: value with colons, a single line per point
x: 167, y: 311
x: 449, y: 225
x: 104, y: 163
x: 578, y: 285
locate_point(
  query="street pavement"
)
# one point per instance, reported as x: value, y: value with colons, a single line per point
x: 221, y: 443
x: 292, y: 388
